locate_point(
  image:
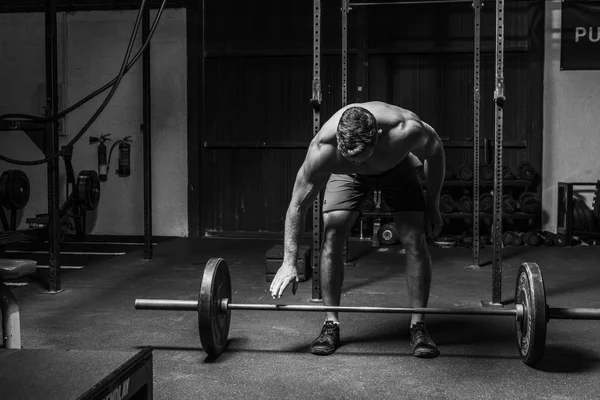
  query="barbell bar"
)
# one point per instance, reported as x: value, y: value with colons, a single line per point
x: 214, y: 310
x: 192, y: 305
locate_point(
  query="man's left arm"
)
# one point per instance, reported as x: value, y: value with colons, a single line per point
x: 434, y: 166
x: 425, y: 143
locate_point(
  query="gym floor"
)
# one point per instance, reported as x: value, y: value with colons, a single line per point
x: 267, y: 356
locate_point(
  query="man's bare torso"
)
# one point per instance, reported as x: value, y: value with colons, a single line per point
x: 398, y: 126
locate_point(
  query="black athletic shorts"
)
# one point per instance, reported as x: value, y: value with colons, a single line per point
x: 400, y: 189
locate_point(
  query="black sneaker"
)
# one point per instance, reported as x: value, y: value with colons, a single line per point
x: 328, y: 341
x: 422, y: 345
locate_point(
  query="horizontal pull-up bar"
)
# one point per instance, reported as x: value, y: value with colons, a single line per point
x: 410, y: 2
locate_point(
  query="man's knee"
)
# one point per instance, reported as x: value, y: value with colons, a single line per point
x: 415, y: 243
x: 336, y: 224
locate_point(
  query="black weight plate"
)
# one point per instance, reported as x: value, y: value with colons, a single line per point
x: 531, y: 331
x: 3, y: 180
x: 14, y: 189
x: 486, y: 203
x: 560, y: 240
x: 447, y: 204
x: 532, y: 239
x: 525, y: 171
x: 465, y: 173
x: 466, y: 204
x: 388, y: 234
x: 509, y: 205
x: 549, y: 239
x: 530, y: 206
x: 18, y: 190
x: 368, y: 205
x: 88, y: 189
x: 525, y: 195
x: 518, y: 240
x: 487, y: 172
x: 507, y: 174
x: 508, y: 238
x: 213, y: 322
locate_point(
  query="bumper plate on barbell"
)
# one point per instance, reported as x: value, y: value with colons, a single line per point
x: 213, y: 321
x: 531, y: 330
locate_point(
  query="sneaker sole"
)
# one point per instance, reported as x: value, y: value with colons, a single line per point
x: 322, y: 352
x: 426, y: 354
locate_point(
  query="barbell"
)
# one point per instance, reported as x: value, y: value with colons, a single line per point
x: 214, y: 310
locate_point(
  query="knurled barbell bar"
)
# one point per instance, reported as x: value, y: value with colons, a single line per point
x: 214, y: 310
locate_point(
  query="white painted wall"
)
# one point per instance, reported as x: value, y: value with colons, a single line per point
x: 92, y: 46
x: 571, y: 121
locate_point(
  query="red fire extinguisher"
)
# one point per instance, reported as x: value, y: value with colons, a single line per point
x: 124, y: 168
x: 102, y: 159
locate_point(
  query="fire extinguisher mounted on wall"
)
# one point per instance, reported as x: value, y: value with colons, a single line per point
x: 102, y: 160
x: 124, y: 168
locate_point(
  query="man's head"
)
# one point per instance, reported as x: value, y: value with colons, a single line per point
x: 357, y: 134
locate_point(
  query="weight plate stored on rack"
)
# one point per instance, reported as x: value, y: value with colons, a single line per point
x: 487, y: 172
x: 88, y: 189
x: 368, y: 205
x: 528, y: 203
x: 447, y: 204
x: 466, y: 204
x: 14, y: 189
x: 486, y: 203
x: 507, y: 173
x: 509, y: 204
x: 525, y: 171
x: 213, y: 320
x: 388, y: 234
x: 465, y: 172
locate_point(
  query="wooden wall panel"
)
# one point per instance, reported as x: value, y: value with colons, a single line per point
x: 267, y: 26
x: 249, y: 190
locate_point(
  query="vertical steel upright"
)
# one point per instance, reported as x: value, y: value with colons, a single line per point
x: 147, y: 136
x: 499, y: 99
x: 476, y: 129
x: 51, y: 132
x: 345, y: 10
x: 316, y: 108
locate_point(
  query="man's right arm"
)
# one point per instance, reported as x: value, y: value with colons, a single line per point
x: 309, y: 181
x: 311, y: 176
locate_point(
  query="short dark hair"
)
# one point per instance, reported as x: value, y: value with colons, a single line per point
x: 356, y: 130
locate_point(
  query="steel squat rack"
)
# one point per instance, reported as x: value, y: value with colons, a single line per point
x: 499, y: 99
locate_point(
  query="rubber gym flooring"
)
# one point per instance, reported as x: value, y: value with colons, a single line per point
x: 267, y: 356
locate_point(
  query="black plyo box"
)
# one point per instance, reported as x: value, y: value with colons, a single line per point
x: 274, y: 258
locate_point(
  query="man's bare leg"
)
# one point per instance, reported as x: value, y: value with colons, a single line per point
x: 336, y: 226
x: 411, y: 228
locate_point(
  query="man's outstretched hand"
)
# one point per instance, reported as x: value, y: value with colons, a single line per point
x: 285, y: 274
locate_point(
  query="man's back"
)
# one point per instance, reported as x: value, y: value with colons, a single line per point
x: 399, y: 130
